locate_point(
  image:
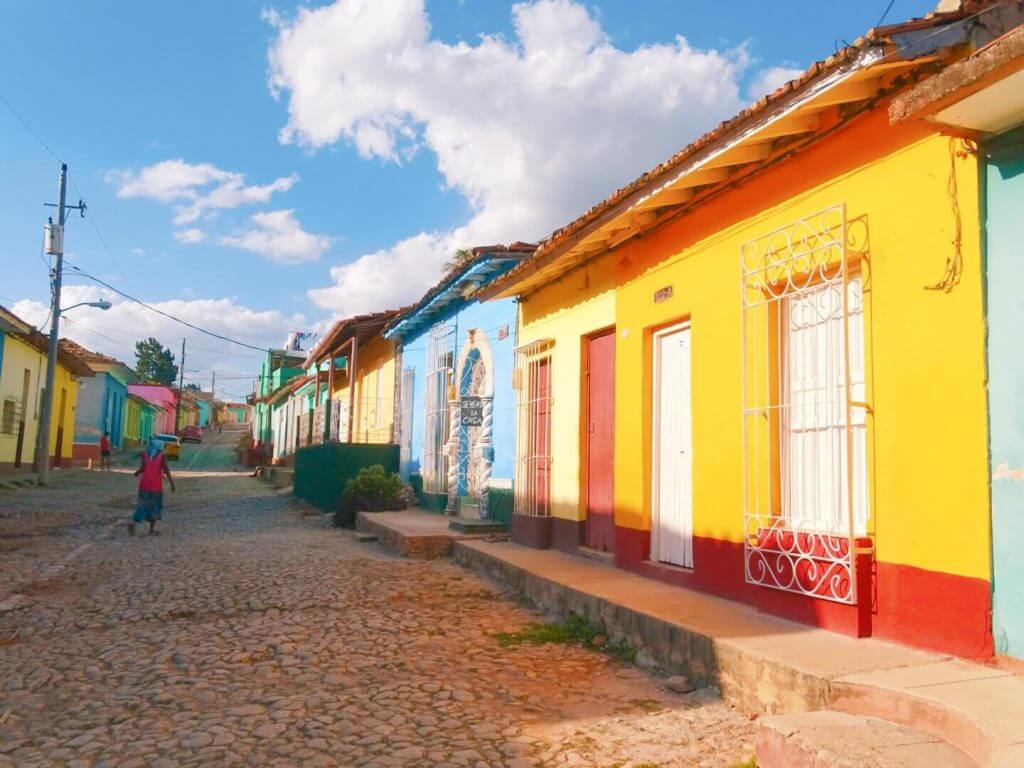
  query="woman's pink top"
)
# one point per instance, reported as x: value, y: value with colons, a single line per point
x: 152, y: 477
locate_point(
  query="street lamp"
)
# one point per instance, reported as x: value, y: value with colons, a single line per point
x: 46, y: 417
x: 102, y: 304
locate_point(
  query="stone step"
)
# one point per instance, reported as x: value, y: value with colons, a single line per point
x: 828, y: 739
x: 472, y: 526
x: 365, y: 537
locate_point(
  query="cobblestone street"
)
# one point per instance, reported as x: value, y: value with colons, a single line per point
x: 252, y: 633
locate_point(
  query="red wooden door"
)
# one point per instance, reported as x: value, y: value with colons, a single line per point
x: 600, y: 533
x: 542, y: 433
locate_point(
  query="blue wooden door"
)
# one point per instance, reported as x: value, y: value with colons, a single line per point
x: 1005, y: 295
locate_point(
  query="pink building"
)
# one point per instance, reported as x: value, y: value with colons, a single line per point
x: 162, y: 396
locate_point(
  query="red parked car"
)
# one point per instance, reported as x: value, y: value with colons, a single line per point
x: 191, y: 434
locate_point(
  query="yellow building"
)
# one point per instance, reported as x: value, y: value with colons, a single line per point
x: 787, y: 317
x: 365, y: 412
x: 22, y: 376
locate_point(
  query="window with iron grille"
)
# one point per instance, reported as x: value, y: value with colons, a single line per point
x: 9, y: 416
x: 440, y: 360
x: 532, y: 382
x: 804, y: 409
x: 405, y: 427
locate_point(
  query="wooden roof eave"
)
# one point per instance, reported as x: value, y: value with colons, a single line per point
x: 712, y: 168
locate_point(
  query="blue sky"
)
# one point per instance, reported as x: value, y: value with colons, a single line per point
x: 385, y: 167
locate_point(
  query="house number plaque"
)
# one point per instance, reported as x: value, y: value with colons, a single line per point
x: 663, y: 294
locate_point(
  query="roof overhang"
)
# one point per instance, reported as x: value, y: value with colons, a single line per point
x: 827, y: 95
x: 361, y: 327
x: 453, y: 291
x: 981, y: 95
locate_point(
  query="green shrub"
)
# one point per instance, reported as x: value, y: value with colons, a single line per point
x: 372, y: 490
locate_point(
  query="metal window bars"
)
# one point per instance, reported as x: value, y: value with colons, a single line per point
x: 405, y: 426
x: 440, y: 360
x: 370, y: 424
x: 534, y: 402
x: 804, y: 435
x: 10, y: 416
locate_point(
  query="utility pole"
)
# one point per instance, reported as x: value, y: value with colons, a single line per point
x: 213, y: 399
x: 181, y: 383
x: 54, y: 246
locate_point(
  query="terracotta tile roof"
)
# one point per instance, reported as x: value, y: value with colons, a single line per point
x: 91, y: 357
x: 818, y: 69
x: 370, y: 323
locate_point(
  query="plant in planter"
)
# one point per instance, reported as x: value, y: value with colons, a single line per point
x: 373, y: 489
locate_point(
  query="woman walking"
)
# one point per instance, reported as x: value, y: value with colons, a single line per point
x: 151, y: 487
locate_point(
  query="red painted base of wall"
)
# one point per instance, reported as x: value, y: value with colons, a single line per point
x: 531, y: 531
x: 82, y: 451
x: 927, y: 609
x: 566, y: 535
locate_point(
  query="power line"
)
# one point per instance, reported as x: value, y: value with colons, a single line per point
x: 96, y: 226
x: 140, y: 302
x: 28, y: 128
x: 127, y: 335
x: 885, y: 13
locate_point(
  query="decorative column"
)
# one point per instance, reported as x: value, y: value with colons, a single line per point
x: 485, y: 444
x: 452, y: 449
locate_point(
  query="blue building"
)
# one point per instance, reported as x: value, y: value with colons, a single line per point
x: 102, y: 403
x: 457, y: 416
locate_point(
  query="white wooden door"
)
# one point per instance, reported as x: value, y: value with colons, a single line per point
x: 672, y: 502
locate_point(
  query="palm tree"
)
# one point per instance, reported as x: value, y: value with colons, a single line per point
x: 457, y: 258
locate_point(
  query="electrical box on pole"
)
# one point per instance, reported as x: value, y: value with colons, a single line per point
x: 53, y: 239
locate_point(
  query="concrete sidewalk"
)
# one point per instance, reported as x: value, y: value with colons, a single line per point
x: 412, y: 532
x: 768, y: 665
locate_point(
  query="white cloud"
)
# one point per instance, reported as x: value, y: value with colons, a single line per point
x: 279, y: 237
x: 531, y: 131
x: 115, y: 331
x: 765, y: 81
x: 190, y: 236
x: 194, y: 188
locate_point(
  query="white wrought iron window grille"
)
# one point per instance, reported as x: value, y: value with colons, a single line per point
x: 440, y: 360
x: 405, y: 426
x: 804, y: 425
x: 534, y: 402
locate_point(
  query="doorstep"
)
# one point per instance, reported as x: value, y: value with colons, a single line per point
x: 768, y: 665
x: 414, y: 532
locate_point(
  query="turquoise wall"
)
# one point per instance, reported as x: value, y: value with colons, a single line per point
x: 1004, y: 224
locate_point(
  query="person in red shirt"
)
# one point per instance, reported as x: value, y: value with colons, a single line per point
x: 151, y: 487
x: 105, y: 451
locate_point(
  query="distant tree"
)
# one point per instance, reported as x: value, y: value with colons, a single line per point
x: 193, y: 387
x: 154, y: 362
x: 457, y: 258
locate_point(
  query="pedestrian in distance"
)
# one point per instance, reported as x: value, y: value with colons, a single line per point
x: 105, y: 448
x: 151, y: 487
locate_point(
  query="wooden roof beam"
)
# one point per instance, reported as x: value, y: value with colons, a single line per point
x: 793, y: 125
x: 846, y: 92
x: 666, y: 198
x: 741, y: 155
x: 701, y: 177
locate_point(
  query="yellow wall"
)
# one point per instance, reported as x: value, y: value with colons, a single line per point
x: 567, y: 312
x: 373, y: 419
x: 16, y: 358
x: 925, y: 355
x: 132, y: 414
